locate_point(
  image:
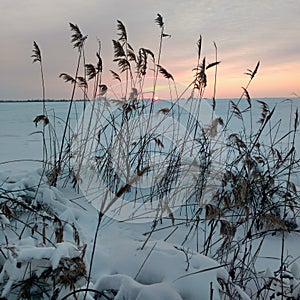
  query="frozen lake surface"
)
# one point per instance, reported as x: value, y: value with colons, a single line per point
x: 21, y: 140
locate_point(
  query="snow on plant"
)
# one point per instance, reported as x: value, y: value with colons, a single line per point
x: 36, y: 244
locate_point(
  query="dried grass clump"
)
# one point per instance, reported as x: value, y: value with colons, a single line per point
x: 255, y: 198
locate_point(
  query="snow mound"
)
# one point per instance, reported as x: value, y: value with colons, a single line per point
x: 158, y: 266
x: 128, y: 288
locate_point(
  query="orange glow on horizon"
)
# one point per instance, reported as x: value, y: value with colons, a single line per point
x: 269, y: 81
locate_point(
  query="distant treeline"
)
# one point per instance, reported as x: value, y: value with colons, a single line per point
x: 37, y: 100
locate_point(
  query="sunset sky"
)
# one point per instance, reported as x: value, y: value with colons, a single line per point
x: 244, y: 31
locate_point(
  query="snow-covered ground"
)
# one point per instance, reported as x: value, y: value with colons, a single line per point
x: 46, y: 228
